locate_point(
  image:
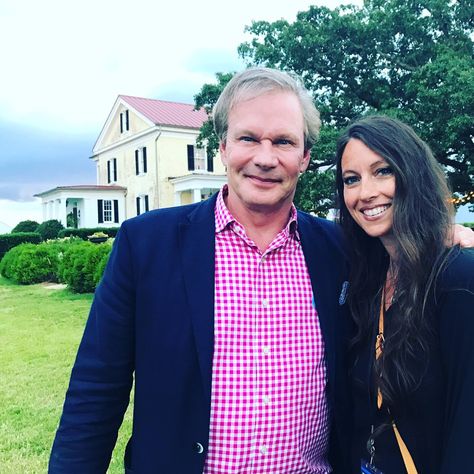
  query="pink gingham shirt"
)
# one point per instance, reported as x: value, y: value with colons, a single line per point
x: 269, y: 412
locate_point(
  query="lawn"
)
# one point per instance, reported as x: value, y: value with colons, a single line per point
x: 40, y: 329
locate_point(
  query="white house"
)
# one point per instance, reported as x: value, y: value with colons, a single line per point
x: 146, y: 158
x: 84, y: 205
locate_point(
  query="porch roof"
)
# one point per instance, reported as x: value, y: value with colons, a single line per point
x: 82, y: 187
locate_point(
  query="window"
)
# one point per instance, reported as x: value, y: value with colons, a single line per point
x: 140, y: 161
x: 124, y: 121
x: 142, y: 204
x: 197, y: 159
x: 107, y: 210
x: 112, y: 170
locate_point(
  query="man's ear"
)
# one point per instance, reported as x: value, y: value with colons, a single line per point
x: 222, y: 152
x: 305, y: 161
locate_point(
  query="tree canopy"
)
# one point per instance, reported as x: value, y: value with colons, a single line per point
x: 411, y: 59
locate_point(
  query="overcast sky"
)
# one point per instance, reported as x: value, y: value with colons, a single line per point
x: 64, y: 63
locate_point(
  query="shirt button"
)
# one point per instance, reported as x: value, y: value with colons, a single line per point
x: 265, y: 302
x: 198, y: 448
x: 263, y: 449
x: 266, y: 350
x: 266, y: 400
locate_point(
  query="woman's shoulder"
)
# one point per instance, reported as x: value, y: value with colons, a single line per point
x: 458, y: 273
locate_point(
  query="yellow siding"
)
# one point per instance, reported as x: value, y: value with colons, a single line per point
x: 113, y: 135
x: 167, y: 146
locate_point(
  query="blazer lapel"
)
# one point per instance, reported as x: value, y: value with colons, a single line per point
x: 197, y: 251
x: 322, y: 273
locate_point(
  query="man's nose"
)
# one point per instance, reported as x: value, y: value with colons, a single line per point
x: 266, y: 155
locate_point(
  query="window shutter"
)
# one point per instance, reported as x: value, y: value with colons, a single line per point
x: 127, y: 123
x: 144, y: 158
x: 191, y: 157
x: 121, y: 122
x: 108, y: 171
x: 146, y: 203
x: 115, y: 169
x: 210, y: 163
x: 100, y: 211
x: 137, y: 166
x: 116, y: 214
x: 138, y: 205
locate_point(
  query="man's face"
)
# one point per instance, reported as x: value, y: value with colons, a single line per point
x: 264, y: 153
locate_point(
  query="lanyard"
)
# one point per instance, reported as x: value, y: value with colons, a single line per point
x: 379, y: 342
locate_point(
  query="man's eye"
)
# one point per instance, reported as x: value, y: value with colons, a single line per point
x: 283, y: 141
x: 246, y: 139
x: 348, y: 180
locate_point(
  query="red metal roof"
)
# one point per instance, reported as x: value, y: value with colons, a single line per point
x: 162, y: 112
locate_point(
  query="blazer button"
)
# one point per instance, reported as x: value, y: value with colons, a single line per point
x: 198, y: 448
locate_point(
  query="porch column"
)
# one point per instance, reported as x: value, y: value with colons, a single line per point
x: 62, y: 214
x: 177, y: 198
x: 196, y: 195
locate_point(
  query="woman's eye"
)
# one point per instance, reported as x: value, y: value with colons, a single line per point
x: 348, y: 180
x: 386, y: 171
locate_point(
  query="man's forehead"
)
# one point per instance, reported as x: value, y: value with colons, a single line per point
x: 248, y: 95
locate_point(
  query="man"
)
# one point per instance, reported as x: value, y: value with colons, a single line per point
x: 228, y: 314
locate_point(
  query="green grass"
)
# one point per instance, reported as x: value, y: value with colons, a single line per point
x: 40, y: 330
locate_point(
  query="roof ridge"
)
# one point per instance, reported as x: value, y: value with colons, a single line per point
x: 156, y: 100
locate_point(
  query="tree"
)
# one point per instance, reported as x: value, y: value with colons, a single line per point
x: 25, y: 226
x: 49, y: 229
x: 206, y: 98
x: 412, y: 59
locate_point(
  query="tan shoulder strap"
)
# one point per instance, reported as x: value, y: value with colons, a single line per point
x: 379, y: 341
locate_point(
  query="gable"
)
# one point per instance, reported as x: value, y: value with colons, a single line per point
x: 114, y: 130
x: 131, y: 116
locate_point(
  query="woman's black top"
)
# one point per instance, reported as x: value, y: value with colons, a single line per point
x: 436, y: 420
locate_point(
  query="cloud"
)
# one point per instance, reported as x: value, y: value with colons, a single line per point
x: 210, y: 60
x: 33, y: 161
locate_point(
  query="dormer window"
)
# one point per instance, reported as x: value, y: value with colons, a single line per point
x: 124, y: 121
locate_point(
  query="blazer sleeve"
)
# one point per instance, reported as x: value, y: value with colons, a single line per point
x: 101, y: 379
x: 457, y: 350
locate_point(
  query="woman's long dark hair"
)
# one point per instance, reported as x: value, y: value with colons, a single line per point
x: 422, y: 215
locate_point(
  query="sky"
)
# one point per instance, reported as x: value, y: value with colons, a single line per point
x: 64, y: 63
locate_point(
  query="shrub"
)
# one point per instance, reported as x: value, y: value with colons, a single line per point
x: 49, y: 229
x: 468, y: 224
x: 99, y: 271
x: 79, y: 265
x: 85, y: 232
x: 30, y: 263
x: 8, y: 261
x: 8, y: 241
x: 25, y: 226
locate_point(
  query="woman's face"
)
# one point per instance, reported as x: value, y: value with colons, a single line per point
x: 369, y: 189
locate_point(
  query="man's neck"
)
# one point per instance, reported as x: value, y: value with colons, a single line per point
x: 260, y: 225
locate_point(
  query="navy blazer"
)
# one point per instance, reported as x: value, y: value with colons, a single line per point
x: 152, y: 321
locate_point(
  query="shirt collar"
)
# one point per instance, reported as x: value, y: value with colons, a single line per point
x: 224, y: 218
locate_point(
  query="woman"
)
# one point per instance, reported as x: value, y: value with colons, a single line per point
x: 412, y: 301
